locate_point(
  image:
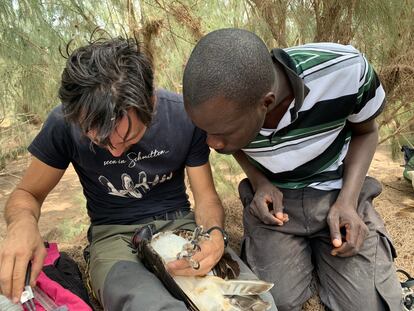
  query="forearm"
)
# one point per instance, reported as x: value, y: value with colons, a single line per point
x: 254, y: 175
x: 21, y: 205
x: 23, y: 243
x: 356, y: 164
x: 209, y: 213
x: 208, y: 208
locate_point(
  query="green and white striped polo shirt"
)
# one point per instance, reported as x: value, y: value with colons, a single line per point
x: 333, y: 84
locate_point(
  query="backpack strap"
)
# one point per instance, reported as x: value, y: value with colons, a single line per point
x: 410, y: 280
x: 52, y: 253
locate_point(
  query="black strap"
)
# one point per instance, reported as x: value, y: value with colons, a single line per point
x: 223, y: 232
x: 410, y: 280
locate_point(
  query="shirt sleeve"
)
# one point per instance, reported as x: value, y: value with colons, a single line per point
x: 52, y: 145
x: 199, y: 151
x: 370, y: 97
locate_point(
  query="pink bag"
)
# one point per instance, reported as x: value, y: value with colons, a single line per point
x: 50, y: 294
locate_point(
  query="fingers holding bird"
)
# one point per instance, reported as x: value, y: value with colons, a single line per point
x: 204, y: 259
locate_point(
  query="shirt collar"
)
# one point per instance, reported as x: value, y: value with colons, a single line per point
x: 300, y: 90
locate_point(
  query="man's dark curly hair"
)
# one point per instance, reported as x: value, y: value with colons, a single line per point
x: 104, y: 79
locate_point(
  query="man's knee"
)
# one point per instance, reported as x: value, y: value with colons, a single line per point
x: 130, y: 287
x: 133, y: 301
x: 246, y: 192
x: 354, y: 285
x: 292, y: 299
x: 293, y: 283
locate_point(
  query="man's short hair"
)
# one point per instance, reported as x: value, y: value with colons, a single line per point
x: 232, y: 63
x: 104, y: 79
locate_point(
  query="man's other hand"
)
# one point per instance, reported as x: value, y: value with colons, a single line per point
x: 355, y: 230
x: 267, y: 204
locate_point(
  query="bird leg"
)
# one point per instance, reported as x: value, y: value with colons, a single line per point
x: 192, y: 247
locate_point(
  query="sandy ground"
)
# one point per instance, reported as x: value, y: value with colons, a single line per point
x: 64, y: 217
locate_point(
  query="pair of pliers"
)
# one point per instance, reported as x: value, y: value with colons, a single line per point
x: 27, y: 297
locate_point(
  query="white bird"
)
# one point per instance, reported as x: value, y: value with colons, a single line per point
x: 207, y: 293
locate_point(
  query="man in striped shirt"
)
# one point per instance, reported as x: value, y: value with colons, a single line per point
x: 301, y: 123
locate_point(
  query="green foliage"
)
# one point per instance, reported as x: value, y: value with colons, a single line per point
x: 32, y: 31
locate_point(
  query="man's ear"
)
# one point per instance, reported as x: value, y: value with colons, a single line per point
x: 269, y: 101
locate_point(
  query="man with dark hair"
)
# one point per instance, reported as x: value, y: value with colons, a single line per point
x: 301, y: 123
x: 129, y: 146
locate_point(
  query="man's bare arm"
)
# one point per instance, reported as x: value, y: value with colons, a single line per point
x: 23, y: 241
x: 265, y: 193
x: 208, y: 213
x: 343, y: 213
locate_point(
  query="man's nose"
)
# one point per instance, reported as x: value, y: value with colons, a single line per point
x: 116, y: 152
x: 215, y: 143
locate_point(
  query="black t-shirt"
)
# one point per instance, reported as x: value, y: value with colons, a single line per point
x: 145, y: 181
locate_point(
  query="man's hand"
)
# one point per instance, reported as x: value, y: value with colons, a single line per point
x: 345, y: 216
x: 208, y: 256
x: 267, y: 204
x: 22, y: 244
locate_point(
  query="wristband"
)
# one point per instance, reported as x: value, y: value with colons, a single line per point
x: 223, y: 232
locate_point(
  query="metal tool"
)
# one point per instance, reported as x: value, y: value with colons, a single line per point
x: 46, y: 302
x: 27, y: 297
x: 408, y: 291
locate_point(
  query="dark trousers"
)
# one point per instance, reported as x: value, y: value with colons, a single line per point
x: 292, y: 254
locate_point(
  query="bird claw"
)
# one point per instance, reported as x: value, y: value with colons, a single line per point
x: 192, y: 247
x: 194, y: 264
